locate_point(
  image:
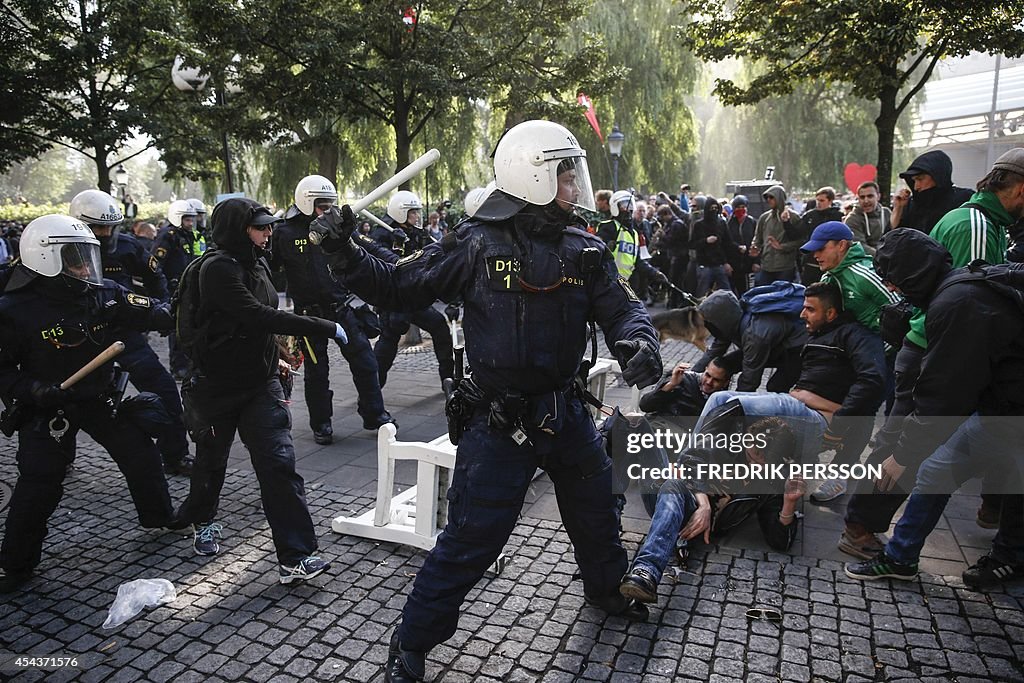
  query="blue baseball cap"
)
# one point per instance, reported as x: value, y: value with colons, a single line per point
x: 831, y: 230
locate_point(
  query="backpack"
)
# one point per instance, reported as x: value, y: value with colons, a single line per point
x: 1005, y: 278
x: 189, y: 326
x: 778, y: 297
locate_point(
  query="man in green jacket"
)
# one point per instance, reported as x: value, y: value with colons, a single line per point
x: 977, y: 229
x: 845, y: 263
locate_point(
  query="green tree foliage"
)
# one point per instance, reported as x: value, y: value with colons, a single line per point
x: 343, y: 77
x: 79, y: 74
x: 645, y: 95
x: 884, y: 50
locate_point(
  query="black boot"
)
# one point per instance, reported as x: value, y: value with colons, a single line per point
x: 617, y: 605
x: 12, y: 582
x: 404, y: 666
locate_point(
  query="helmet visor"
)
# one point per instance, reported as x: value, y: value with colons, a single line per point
x: 81, y: 261
x: 574, y: 186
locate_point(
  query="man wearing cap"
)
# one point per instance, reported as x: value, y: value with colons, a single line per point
x: 976, y: 230
x: 931, y: 194
x: 777, y: 251
x: 844, y: 263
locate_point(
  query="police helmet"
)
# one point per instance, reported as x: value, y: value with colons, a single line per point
x: 179, y: 209
x: 95, y: 207
x: 402, y: 202
x: 313, y: 188
x: 622, y: 197
x: 476, y: 197
x: 530, y: 157
x: 56, y: 245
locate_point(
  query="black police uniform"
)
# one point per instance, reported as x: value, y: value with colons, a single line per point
x: 530, y: 284
x: 315, y: 292
x: 174, y: 248
x: 236, y: 387
x: 124, y: 258
x: 47, y: 332
x: 395, y: 323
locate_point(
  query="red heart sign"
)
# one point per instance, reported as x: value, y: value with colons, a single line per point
x: 855, y: 174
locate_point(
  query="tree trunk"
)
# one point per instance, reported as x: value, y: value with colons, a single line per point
x: 885, y: 125
x: 102, y: 170
x: 403, y: 142
x: 326, y: 154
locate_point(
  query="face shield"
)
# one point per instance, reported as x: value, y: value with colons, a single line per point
x: 81, y: 261
x: 574, y: 188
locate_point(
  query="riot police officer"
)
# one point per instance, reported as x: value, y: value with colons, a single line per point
x: 404, y: 239
x: 531, y: 277
x: 123, y: 259
x: 178, y: 244
x: 316, y: 293
x: 56, y: 314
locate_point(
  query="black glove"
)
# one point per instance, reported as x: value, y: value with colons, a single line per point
x: 335, y: 227
x: 50, y: 395
x: 451, y: 311
x: 640, y: 362
x: 660, y: 277
x: 398, y: 236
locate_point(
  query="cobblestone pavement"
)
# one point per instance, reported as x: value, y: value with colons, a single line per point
x: 233, y: 621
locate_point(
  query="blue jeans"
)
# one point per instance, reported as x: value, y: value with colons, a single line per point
x: 807, y: 425
x: 766, y: 277
x: 671, y: 513
x: 972, y: 450
x: 711, y: 275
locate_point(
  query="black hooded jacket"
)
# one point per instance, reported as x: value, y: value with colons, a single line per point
x: 238, y: 298
x: 711, y: 224
x: 975, y: 356
x: 926, y: 208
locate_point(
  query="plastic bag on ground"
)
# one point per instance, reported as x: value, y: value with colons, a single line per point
x: 135, y: 595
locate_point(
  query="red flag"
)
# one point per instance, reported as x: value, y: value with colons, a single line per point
x: 590, y: 114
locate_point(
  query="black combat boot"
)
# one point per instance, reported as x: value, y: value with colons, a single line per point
x: 404, y: 666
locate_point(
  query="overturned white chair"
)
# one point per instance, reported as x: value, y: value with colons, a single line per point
x: 410, y: 517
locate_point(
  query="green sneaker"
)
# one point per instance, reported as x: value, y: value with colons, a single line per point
x: 881, y: 567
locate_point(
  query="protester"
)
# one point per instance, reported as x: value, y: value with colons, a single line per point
x: 234, y: 386
x: 694, y: 508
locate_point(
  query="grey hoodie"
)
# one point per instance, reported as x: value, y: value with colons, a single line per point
x: 770, y: 224
x: 868, y: 228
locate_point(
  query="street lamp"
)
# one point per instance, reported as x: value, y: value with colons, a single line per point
x: 121, y: 180
x: 615, y: 140
x: 194, y: 80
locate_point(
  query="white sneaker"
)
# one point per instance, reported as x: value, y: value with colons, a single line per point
x: 830, y: 489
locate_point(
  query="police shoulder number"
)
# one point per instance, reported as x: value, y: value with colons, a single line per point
x: 137, y: 300
x: 630, y: 294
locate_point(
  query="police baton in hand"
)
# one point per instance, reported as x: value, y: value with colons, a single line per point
x: 106, y: 355
x: 316, y: 235
x: 59, y: 425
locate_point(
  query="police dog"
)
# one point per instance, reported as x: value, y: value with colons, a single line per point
x: 686, y: 324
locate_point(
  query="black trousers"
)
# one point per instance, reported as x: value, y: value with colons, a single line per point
x: 42, y: 463
x: 394, y: 325
x: 262, y: 420
x: 360, y: 357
